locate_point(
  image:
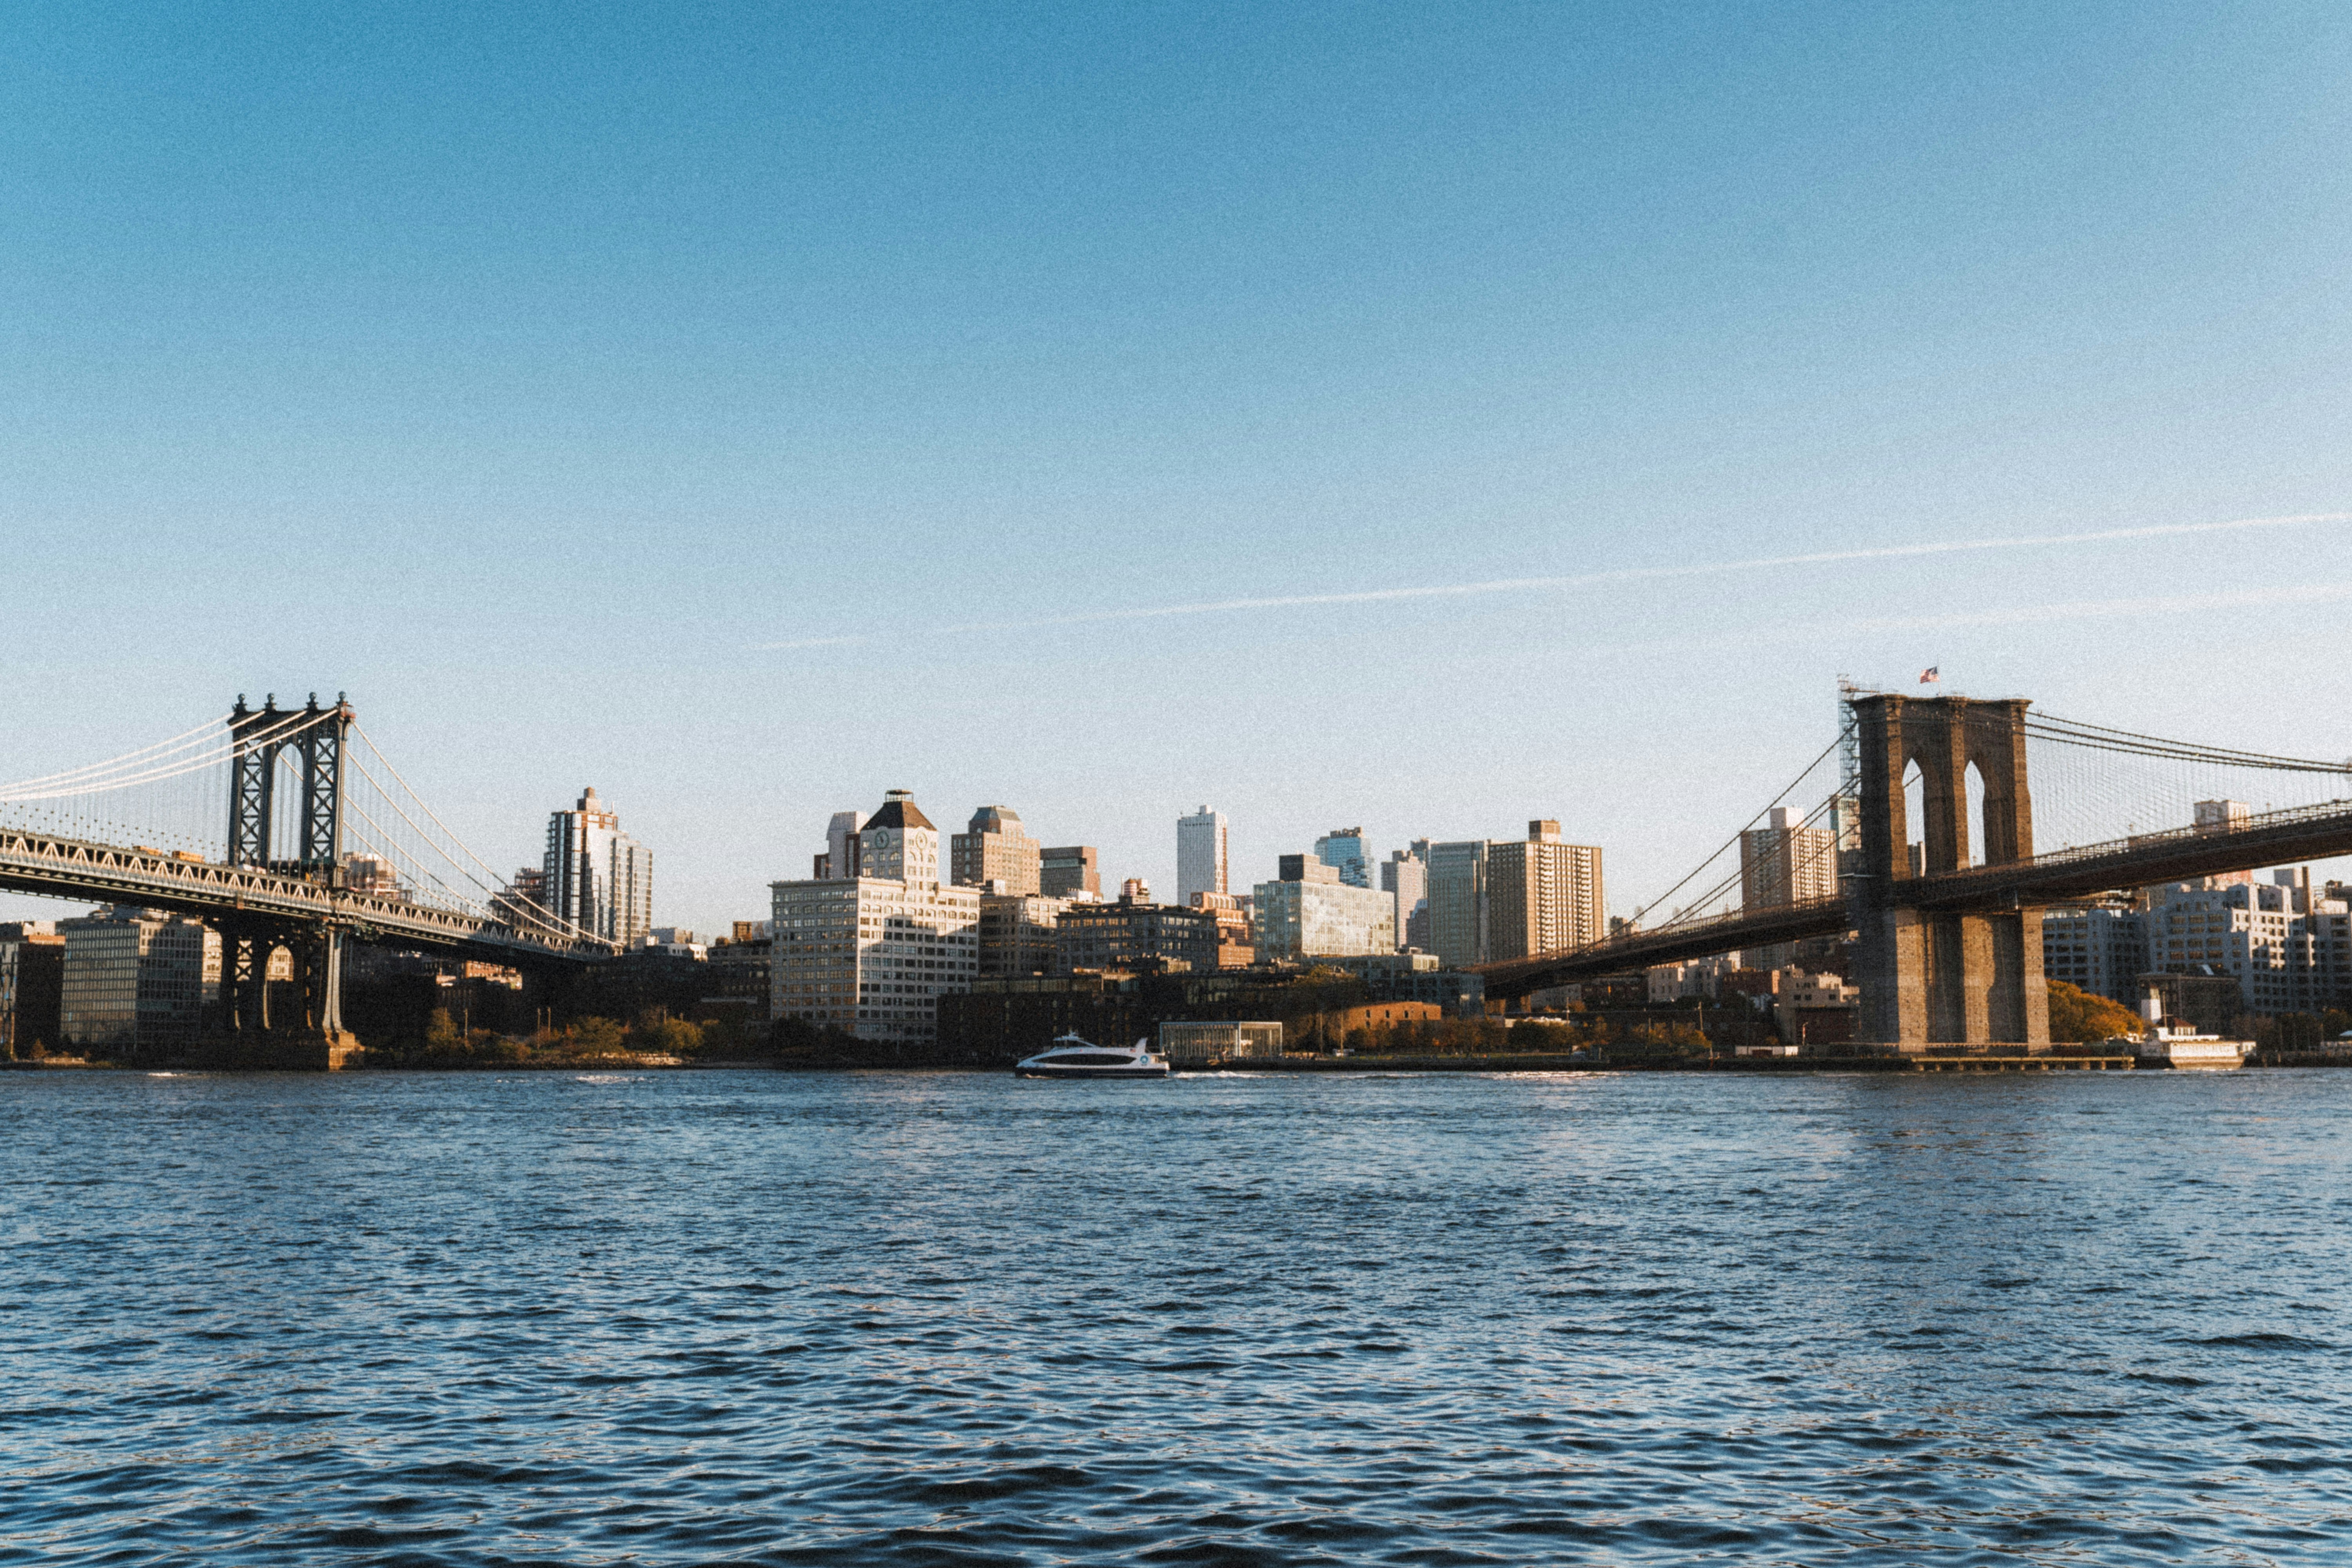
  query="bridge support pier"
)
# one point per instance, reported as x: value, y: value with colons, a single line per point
x: 245, y: 979
x: 306, y: 1029
x: 1940, y: 979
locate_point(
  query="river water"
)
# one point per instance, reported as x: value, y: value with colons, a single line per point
x: 867, y: 1318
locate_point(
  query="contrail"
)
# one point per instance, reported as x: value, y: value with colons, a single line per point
x: 1583, y: 579
x: 2183, y: 603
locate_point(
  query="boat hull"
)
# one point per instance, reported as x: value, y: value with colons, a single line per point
x: 1027, y: 1071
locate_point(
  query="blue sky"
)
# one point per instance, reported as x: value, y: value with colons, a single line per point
x: 531, y: 374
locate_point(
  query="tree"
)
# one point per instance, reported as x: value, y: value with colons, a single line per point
x: 668, y: 1035
x: 1666, y: 1038
x: 596, y: 1036
x: 2078, y: 1017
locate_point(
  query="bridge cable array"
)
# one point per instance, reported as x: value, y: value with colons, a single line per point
x: 2094, y: 787
x: 172, y: 796
x: 436, y: 857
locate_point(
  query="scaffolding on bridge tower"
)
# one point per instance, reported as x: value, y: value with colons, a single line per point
x: 1846, y: 805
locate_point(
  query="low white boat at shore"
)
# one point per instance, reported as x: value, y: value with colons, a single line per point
x: 2166, y: 1047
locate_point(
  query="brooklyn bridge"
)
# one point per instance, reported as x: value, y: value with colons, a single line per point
x: 286, y: 828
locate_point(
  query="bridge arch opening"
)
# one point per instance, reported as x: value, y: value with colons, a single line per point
x: 1979, y: 824
x: 1915, y: 815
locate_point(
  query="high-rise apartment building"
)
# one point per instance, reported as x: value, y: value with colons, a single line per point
x: 2100, y: 947
x: 1457, y: 902
x: 1199, y: 855
x: 1074, y: 871
x: 840, y: 857
x: 1542, y: 895
x: 871, y: 953
x: 1784, y: 862
x: 2287, y: 949
x: 1310, y: 913
x: 1510, y: 898
x: 596, y: 877
x: 1404, y: 877
x: 1345, y: 850
x: 995, y: 847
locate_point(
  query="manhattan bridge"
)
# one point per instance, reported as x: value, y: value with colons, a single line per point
x: 1952, y: 821
x: 281, y: 828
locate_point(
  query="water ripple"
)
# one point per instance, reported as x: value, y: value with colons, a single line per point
x: 943, y: 1319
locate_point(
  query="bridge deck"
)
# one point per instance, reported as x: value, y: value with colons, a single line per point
x: 32, y: 862
x: 2274, y: 838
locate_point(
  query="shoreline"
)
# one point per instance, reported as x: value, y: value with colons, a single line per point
x: 1294, y: 1066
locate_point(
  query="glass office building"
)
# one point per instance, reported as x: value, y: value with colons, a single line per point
x: 135, y: 979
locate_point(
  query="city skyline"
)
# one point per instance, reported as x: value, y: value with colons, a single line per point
x: 1593, y: 759
x: 1580, y: 366
x: 1248, y: 864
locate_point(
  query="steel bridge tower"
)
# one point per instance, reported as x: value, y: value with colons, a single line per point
x: 310, y: 742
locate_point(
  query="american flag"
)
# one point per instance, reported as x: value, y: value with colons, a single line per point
x: 1931, y: 675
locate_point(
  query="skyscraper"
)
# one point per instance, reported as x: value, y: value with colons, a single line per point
x: 1199, y: 855
x: 995, y: 847
x: 1344, y: 850
x: 1404, y: 877
x: 1508, y: 897
x: 1781, y: 863
x: 839, y: 861
x: 597, y: 878
x: 1457, y: 902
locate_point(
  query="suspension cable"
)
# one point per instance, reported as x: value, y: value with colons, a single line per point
x: 1751, y: 822
x: 277, y: 734
x: 144, y: 754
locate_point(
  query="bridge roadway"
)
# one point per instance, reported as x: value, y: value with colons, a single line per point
x: 2274, y: 838
x: 32, y: 862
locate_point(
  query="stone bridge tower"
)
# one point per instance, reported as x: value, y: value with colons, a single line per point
x: 1930, y: 978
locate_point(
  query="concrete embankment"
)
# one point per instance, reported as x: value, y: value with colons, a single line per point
x: 1565, y: 1063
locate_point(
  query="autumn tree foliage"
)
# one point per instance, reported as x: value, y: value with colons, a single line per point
x: 2078, y: 1017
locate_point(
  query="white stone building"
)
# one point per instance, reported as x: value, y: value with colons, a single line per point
x: 2288, y: 951
x: 872, y: 955
x: 1199, y: 855
x: 2101, y: 948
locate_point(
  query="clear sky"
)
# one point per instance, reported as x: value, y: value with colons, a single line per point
x: 749, y: 409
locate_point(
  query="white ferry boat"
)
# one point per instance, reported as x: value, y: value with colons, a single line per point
x: 1071, y: 1056
x: 2185, y: 1048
